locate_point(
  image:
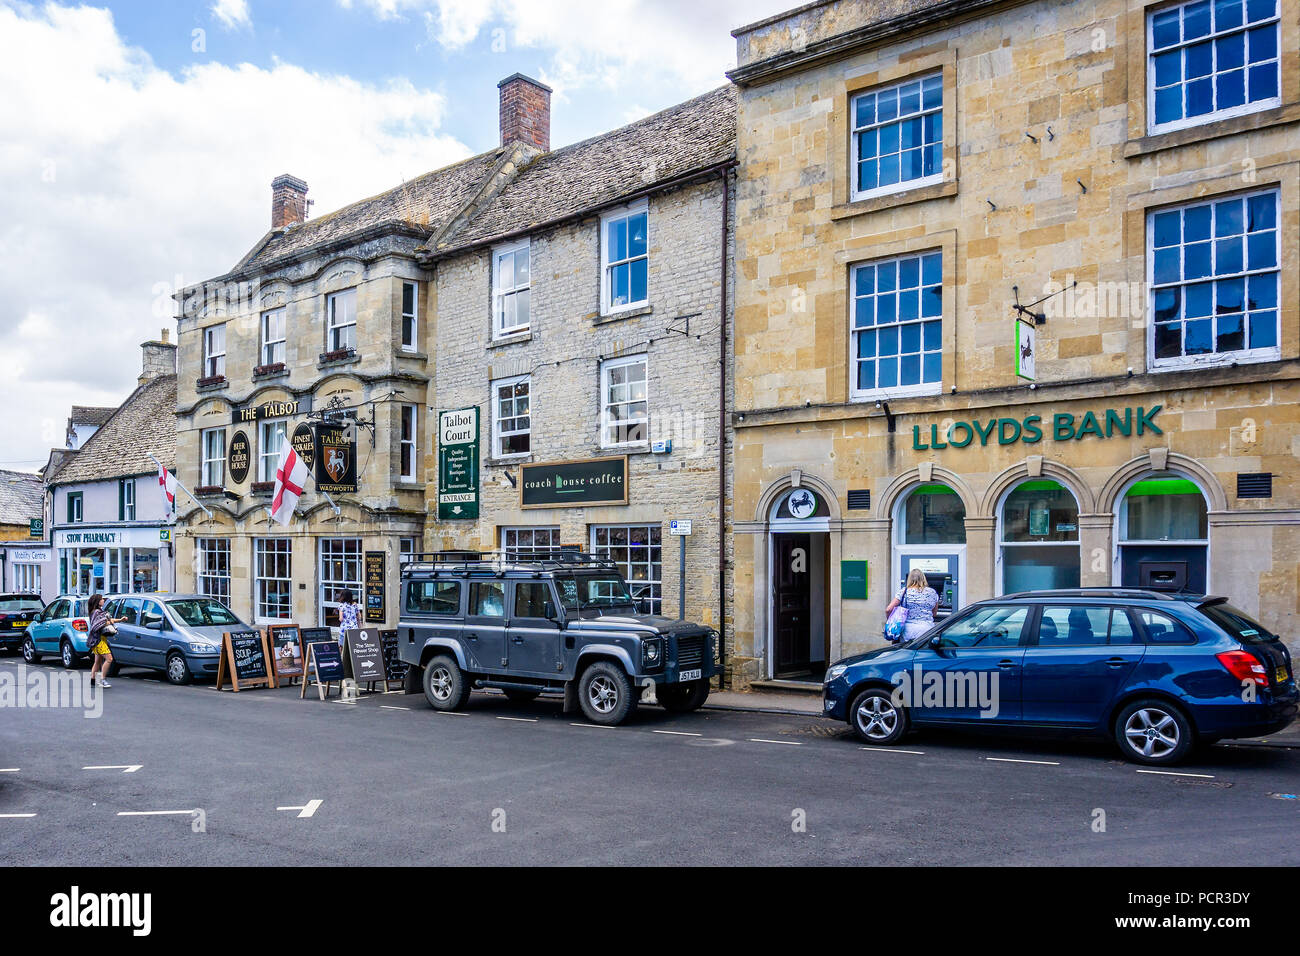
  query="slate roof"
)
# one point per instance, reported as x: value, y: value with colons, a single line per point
x: 426, y: 203
x: 90, y: 415
x: 600, y: 171
x: 20, y: 497
x: 145, y: 423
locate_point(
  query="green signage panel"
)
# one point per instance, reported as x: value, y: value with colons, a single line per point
x: 458, y: 464
x: 36, y: 528
x: 596, y: 481
x: 853, y: 580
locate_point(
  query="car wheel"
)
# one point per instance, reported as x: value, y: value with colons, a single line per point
x: 68, y: 655
x: 1153, y: 732
x: 444, y: 684
x: 876, y: 718
x: 683, y: 698
x: 178, y: 671
x: 605, y: 693
x: 29, y: 652
x: 521, y: 696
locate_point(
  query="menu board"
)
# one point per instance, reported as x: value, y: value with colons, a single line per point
x: 365, y: 654
x: 243, y: 660
x: 285, y: 642
x: 394, y: 667
x: 376, y: 586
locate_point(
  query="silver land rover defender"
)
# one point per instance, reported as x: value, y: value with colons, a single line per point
x: 546, y: 622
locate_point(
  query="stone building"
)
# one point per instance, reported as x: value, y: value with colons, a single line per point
x: 582, y: 318
x: 909, y: 173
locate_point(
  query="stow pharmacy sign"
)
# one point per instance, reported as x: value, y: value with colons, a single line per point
x: 1031, y: 429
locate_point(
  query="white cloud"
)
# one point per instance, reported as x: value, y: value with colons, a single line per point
x: 233, y: 14
x: 121, y: 178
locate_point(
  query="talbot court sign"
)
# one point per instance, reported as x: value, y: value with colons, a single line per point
x: 1031, y: 429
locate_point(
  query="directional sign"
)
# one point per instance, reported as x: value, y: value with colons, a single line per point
x: 458, y: 435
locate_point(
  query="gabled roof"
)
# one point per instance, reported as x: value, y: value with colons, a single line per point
x: 424, y: 204
x: 90, y: 415
x: 20, y: 497
x: 691, y: 136
x: 144, y: 424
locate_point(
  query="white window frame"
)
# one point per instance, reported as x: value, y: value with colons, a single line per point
x: 896, y: 391
x: 128, y: 499
x: 268, y: 460
x: 1214, y: 115
x: 27, y: 577
x: 347, y: 328
x: 405, y: 549
x: 79, y: 506
x: 502, y: 292
x: 212, y: 568
x: 274, y: 555
x: 605, y: 424
x: 509, y: 536
x: 607, y: 307
x: 270, y: 345
x: 498, y: 433
x: 214, y: 350
x: 902, y: 185
x: 1213, y: 359
x: 212, y: 468
x: 655, y: 583
x: 349, y: 551
x: 413, y: 316
x: 408, y: 440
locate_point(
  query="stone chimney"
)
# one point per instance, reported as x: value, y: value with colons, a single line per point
x: 288, y: 201
x: 525, y: 112
x: 159, y: 358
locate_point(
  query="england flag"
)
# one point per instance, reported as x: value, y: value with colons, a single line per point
x: 290, y: 477
x: 167, y: 481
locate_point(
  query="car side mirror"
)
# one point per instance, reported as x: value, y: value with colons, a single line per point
x: 154, y: 626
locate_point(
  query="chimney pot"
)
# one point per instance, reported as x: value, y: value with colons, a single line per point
x: 288, y: 201
x: 525, y: 112
x: 159, y: 358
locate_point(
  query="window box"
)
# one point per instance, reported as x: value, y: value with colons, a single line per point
x: 338, y: 356
x: 211, y: 381
x: 262, y: 487
x: 210, y: 490
x: 266, y: 371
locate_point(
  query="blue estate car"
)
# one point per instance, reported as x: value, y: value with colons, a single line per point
x: 1156, y: 672
x: 59, y: 630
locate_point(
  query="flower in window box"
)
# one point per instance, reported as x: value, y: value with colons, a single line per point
x: 338, y: 355
x: 209, y: 490
x: 271, y: 369
x: 262, y: 487
x: 210, y: 380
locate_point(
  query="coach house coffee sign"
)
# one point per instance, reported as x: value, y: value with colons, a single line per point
x: 595, y: 481
x: 1031, y: 429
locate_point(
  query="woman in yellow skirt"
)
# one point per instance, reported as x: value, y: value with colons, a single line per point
x: 99, y: 620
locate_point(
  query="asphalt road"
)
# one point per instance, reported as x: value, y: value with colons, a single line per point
x: 398, y: 783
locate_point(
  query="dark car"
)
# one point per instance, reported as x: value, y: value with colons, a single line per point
x: 556, y: 623
x: 1156, y: 672
x: 16, y: 612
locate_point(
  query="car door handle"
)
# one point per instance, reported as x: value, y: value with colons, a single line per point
x: 472, y: 637
x: 1006, y: 663
x: 1117, y: 661
x: 517, y: 639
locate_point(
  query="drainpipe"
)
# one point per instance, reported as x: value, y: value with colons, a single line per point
x: 722, y: 440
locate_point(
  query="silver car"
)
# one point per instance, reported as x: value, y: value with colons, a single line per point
x: 178, y: 634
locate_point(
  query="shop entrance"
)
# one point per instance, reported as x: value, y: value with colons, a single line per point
x: 799, y: 612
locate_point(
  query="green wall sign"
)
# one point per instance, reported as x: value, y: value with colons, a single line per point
x: 458, y: 464
x: 853, y: 580
x: 1031, y: 429
x: 595, y: 481
x: 36, y: 528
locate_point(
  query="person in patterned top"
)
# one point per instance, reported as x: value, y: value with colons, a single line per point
x: 349, y: 613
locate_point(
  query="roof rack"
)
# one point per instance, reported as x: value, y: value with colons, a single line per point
x: 506, y: 559
x: 1113, y: 592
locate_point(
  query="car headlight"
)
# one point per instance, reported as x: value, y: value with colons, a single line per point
x: 651, y: 652
x: 833, y: 672
x: 202, y: 648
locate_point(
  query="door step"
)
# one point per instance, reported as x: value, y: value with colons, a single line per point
x: 788, y: 685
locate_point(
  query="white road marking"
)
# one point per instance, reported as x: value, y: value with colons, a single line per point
x: 9, y: 769
x: 306, y: 810
x: 391, y: 707
x: 16, y: 816
x: 1171, y: 773
x: 125, y: 768
x: 892, y: 750
x: 788, y: 743
x: 676, y: 733
x: 1045, y: 763
x: 597, y: 726
x: 451, y: 713
x: 155, y: 813
x: 525, y: 720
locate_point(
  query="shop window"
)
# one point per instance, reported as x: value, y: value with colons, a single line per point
x: 213, y: 568
x: 273, y: 579
x: 524, y: 543
x: 1163, y: 538
x: 934, y: 514
x: 1040, y: 538
x: 638, y: 552
x: 144, y: 570
x: 340, y: 570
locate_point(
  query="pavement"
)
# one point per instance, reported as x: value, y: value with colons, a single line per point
x: 196, y: 776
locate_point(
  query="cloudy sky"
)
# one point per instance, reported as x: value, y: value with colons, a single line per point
x: 140, y: 140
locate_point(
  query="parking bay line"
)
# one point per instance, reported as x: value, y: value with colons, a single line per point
x: 523, y: 720
x: 9, y: 769
x: 392, y: 707
x: 677, y: 733
x: 892, y: 750
x: 125, y: 767
x: 16, y: 816
x: 306, y: 810
x: 1045, y: 763
x: 1171, y: 773
x: 155, y: 813
x: 596, y: 726
x: 787, y: 743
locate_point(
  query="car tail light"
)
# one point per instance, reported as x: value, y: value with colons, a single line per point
x: 1244, y: 667
x: 79, y: 625
x: 4, y: 617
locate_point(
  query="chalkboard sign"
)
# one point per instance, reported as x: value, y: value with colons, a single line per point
x: 365, y: 654
x: 394, y: 667
x: 323, y: 664
x: 376, y: 585
x: 243, y: 660
x: 285, y: 643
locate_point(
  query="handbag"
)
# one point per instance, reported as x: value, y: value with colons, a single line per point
x: 896, y: 624
x: 108, y: 630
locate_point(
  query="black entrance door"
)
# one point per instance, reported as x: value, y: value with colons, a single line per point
x: 792, y: 603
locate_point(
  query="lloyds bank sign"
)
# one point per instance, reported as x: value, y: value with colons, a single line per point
x: 1032, y: 429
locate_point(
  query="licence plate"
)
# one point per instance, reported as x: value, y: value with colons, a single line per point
x: 19, y: 624
x: 694, y: 674
x: 1281, y: 675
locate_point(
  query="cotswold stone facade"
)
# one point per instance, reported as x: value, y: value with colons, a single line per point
x: 557, y: 355
x: 974, y: 155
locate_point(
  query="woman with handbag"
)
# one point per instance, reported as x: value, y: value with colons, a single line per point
x: 917, y: 601
x: 101, y: 626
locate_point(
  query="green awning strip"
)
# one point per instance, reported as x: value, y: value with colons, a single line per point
x: 933, y: 490
x: 1045, y: 485
x: 1163, y: 486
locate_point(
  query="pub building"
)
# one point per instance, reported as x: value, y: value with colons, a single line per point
x: 1012, y: 308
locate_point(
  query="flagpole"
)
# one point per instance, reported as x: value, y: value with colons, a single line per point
x: 183, y: 488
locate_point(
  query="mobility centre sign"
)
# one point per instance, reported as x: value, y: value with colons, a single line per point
x: 458, y: 464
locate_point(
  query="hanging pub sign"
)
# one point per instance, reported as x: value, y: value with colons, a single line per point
x: 376, y: 584
x: 304, y: 443
x: 336, y: 458
x: 238, y: 458
x: 243, y: 661
x: 594, y: 481
x: 458, y: 464
x: 285, y: 408
x: 1026, y: 350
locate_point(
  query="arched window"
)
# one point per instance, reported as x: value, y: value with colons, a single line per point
x: 1163, y: 537
x: 1040, y: 537
x: 932, y: 514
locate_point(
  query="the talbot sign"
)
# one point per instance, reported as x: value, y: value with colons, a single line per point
x: 279, y: 408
